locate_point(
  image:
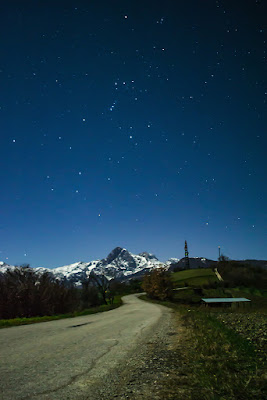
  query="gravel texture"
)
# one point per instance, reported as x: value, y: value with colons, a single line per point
x: 156, y: 370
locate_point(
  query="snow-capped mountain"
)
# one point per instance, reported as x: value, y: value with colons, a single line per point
x: 172, y: 261
x: 123, y: 265
x: 119, y: 264
x: 4, y: 266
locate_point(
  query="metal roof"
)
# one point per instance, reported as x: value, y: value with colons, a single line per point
x: 225, y: 300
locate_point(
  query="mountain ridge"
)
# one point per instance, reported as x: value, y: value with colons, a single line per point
x: 122, y: 265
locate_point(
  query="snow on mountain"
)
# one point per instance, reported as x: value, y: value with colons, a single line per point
x: 119, y: 264
x: 172, y: 261
x: 4, y: 266
x: 123, y: 265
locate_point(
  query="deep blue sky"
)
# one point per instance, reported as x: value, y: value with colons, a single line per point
x: 132, y: 123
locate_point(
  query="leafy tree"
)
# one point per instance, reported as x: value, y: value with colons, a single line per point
x: 158, y: 284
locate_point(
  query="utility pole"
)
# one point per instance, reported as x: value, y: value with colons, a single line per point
x: 187, y: 266
x: 219, y: 247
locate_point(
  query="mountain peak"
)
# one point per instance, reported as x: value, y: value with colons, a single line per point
x: 148, y: 256
x: 112, y: 255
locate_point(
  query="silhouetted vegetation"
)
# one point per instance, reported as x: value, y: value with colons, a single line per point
x: 235, y: 274
x: 102, y: 285
x: 27, y: 293
x: 124, y: 288
x: 158, y: 284
x: 89, y: 295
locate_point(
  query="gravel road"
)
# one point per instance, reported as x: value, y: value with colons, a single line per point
x: 110, y: 355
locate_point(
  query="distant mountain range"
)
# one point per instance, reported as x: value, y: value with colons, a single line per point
x: 123, y: 265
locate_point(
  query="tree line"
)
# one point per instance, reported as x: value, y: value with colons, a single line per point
x: 241, y: 274
x: 25, y: 292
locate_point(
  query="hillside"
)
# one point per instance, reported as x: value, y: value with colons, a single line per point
x: 194, y: 277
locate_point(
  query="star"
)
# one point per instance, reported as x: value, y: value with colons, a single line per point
x: 196, y: 148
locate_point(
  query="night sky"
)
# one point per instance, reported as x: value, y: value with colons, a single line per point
x: 136, y: 124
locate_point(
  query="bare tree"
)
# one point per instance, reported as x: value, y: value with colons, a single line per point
x: 102, y: 284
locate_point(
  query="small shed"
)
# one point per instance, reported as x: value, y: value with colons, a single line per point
x: 227, y: 301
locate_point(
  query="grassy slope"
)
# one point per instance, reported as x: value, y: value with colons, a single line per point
x: 194, y: 277
x: 5, y: 323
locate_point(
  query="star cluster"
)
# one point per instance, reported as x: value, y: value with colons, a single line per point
x: 138, y: 124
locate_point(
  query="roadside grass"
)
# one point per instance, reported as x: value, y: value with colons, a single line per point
x: 194, y: 277
x: 6, y: 323
x: 224, y: 364
x: 224, y: 350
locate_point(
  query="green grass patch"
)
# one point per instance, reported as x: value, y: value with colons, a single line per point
x: 186, y: 296
x: 6, y: 323
x: 194, y: 277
